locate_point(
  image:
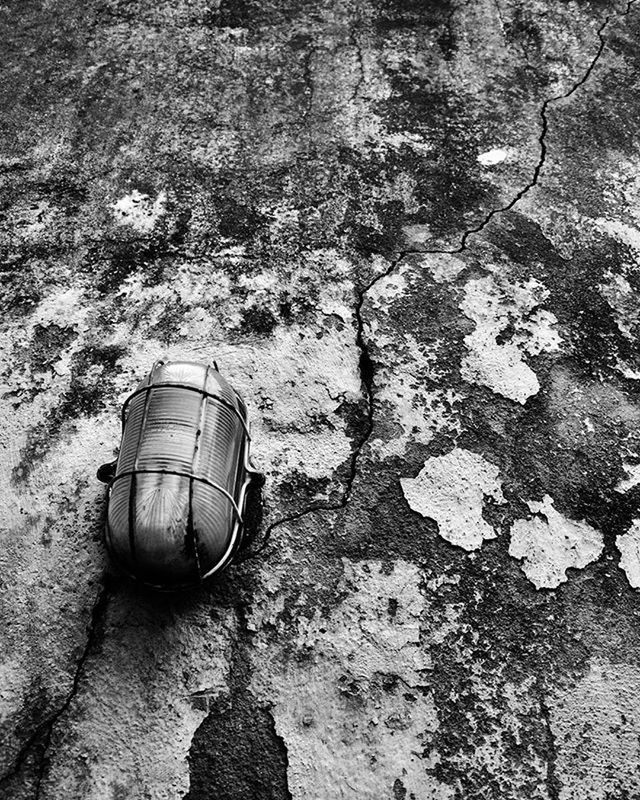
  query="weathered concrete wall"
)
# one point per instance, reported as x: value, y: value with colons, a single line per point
x: 409, y: 234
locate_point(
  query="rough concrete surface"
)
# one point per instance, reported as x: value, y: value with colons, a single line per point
x: 409, y: 234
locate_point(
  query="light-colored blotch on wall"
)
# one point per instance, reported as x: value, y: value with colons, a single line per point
x: 139, y: 210
x: 632, y: 479
x: 444, y: 267
x: 596, y: 729
x: 508, y: 324
x: 548, y: 544
x: 450, y: 489
x: 413, y: 402
x: 629, y: 546
x: 492, y: 157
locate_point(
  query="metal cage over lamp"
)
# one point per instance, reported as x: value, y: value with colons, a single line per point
x: 177, y: 490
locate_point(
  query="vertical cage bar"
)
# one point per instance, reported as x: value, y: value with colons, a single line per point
x: 133, y: 485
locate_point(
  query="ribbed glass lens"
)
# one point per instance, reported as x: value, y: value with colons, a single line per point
x: 173, y: 515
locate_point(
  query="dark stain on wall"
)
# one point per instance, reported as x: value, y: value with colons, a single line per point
x: 85, y: 396
x: 236, y: 753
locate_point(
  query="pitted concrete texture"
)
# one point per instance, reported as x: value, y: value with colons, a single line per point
x: 409, y: 234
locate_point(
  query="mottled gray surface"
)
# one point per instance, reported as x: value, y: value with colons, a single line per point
x: 409, y: 234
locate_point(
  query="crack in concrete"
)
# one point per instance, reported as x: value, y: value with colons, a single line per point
x: 365, y: 362
x: 353, y: 41
x: 43, y: 761
x: 366, y: 368
x: 44, y: 730
x: 553, y: 784
x: 543, y: 133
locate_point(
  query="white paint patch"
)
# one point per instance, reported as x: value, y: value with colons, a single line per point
x: 417, y: 234
x: 627, y: 371
x: 508, y: 324
x: 615, y: 228
x: 65, y: 309
x: 389, y: 288
x: 623, y: 299
x: 412, y: 140
x: 492, y: 157
x: 549, y: 544
x: 451, y: 489
x: 139, y: 211
x: 596, y: 729
x: 629, y: 546
x: 443, y: 266
x: 632, y: 479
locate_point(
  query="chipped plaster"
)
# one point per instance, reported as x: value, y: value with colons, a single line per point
x: 549, y: 543
x: 632, y: 471
x: 628, y: 545
x: 139, y: 211
x: 451, y: 490
x: 494, y: 156
x: 496, y: 306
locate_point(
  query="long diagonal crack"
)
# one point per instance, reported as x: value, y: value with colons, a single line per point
x: 44, y: 730
x: 366, y: 377
x: 365, y: 362
x: 543, y: 133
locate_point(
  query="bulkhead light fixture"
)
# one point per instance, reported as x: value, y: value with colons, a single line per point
x: 177, y: 490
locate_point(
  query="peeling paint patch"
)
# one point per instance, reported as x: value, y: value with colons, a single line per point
x: 494, y: 156
x: 596, y: 727
x: 624, y: 301
x: 549, y: 544
x: 627, y: 234
x: 632, y: 479
x: 451, y: 490
x: 139, y: 210
x: 629, y: 546
x: 508, y: 324
x: 444, y: 267
x: 67, y: 309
